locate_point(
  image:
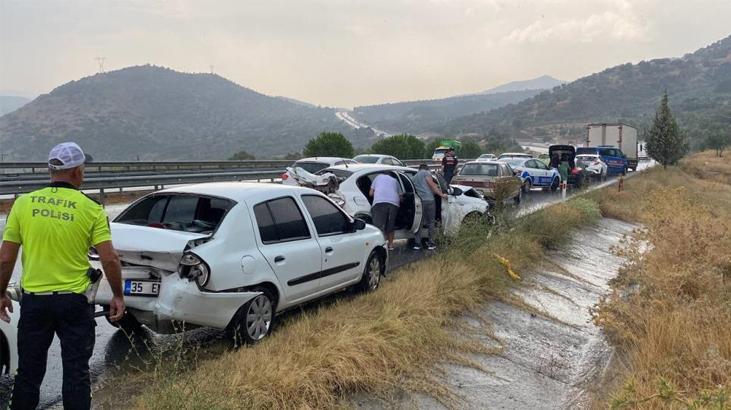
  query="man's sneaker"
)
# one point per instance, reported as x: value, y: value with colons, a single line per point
x: 431, y: 246
x: 416, y: 247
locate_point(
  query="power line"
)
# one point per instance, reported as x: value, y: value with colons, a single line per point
x: 100, y: 61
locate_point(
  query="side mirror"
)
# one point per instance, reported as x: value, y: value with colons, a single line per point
x: 455, y: 191
x: 358, y: 224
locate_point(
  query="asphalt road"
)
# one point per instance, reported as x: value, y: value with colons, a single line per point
x: 113, y: 349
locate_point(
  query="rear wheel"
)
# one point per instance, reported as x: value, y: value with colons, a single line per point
x: 375, y: 267
x: 253, y: 321
x: 555, y: 184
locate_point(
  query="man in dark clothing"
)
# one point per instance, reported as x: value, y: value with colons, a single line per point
x: 449, y: 164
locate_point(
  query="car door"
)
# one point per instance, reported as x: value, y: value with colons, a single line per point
x: 285, y: 241
x: 341, y: 248
x: 506, y: 176
x: 410, y: 209
x: 546, y: 174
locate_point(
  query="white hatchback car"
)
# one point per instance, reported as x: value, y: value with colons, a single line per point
x: 353, y: 196
x: 233, y: 255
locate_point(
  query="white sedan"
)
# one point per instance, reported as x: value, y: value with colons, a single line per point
x: 233, y: 255
x: 308, y: 166
x: 353, y: 195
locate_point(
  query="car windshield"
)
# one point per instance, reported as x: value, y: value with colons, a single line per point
x: 440, y: 151
x: 514, y: 162
x: 178, y: 212
x: 586, y: 157
x: 480, y: 169
x: 366, y: 159
x: 485, y: 156
x: 506, y: 156
x: 311, y: 166
x: 586, y: 150
x: 341, y: 174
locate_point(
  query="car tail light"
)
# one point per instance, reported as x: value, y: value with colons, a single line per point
x: 194, y: 268
x: 284, y: 176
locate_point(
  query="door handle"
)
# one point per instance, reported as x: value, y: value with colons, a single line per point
x: 279, y: 258
x: 328, y: 249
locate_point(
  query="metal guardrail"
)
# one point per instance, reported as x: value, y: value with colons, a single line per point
x: 153, y: 181
x: 107, y: 176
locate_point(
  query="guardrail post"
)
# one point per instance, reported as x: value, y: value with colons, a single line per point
x: 101, y: 195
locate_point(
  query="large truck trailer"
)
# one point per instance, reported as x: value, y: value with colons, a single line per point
x: 616, y: 135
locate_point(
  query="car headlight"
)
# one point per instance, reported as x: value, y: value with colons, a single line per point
x: 194, y: 268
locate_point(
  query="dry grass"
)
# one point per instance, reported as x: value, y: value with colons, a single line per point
x: 380, y: 343
x: 670, y: 314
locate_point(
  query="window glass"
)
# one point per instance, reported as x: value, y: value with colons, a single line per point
x: 190, y: 213
x: 366, y: 159
x: 144, y: 212
x: 286, y: 217
x: 480, y: 169
x: 267, y: 230
x: 181, y: 209
x: 541, y: 165
x: 406, y: 182
x: 327, y: 217
x: 531, y: 164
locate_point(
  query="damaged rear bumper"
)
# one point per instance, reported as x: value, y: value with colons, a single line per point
x: 180, y: 303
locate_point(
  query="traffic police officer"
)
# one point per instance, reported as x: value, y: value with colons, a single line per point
x: 449, y: 164
x: 56, y: 226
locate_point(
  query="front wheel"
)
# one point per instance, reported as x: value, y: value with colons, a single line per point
x: 526, y: 186
x: 253, y: 321
x: 375, y: 267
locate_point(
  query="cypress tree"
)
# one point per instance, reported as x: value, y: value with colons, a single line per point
x: 665, y: 143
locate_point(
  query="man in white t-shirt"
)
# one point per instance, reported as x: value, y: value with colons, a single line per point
x: 386, y: 194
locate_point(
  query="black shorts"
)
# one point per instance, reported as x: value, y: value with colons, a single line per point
x: 384, y: 216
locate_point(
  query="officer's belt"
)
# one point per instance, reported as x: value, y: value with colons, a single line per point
x: 55, y: 292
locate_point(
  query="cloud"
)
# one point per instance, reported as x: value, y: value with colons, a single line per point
x: 603, y: 26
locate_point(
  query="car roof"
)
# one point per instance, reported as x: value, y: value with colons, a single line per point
x: 374, y: 155
x: 323, y: 159
x: 515, y: 154
x: 496, y: 162
x: 371, y: 167
x: 238, y: 191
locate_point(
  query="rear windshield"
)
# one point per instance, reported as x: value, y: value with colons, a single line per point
x: 480, y: 169
x: 311, y: 167
x: 366, y: 159
x: 504, y: 156
x: 178, y: 212
x: 342, y: 174
x: 440, y: 151
x: 586, y: 150
x: 586, y: 157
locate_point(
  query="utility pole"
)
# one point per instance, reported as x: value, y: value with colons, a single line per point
x: 100, y: 61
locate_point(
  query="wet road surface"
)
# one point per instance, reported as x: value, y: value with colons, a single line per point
x: 113, y: 347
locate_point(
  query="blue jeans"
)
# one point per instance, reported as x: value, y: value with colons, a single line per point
x: 70, y: 317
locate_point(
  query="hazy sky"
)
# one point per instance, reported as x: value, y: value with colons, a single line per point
x: 346, y: 53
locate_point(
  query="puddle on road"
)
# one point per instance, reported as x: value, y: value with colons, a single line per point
x: 548, y: 362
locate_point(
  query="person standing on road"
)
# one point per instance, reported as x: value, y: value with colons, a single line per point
x: 386, y: 195
x: 449, y: 164
x: 427, y: 189
x: 56, y: 226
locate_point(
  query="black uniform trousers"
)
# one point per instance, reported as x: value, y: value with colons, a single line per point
x: 70, y: 317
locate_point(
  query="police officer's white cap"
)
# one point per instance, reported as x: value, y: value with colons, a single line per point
x: 66, y: 155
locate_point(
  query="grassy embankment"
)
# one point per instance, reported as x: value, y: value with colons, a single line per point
x: 670, y: 313
x: 379, y: 343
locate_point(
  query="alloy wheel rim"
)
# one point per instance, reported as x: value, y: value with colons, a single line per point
x: 374, y: 273
x: 259, y: 317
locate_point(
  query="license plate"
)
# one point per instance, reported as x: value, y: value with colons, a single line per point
x: 141, y: 288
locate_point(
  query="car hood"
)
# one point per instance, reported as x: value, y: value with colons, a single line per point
x: 144, y: 245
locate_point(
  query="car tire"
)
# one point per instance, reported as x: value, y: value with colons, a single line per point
x: 526, y: 186
x: 128, y: 323
x: 374, y: 268
x: 555, y: 184
x: 253, y: 321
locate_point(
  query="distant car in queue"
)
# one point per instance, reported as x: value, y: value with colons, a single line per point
x: 592, y: 165
x: 492, y: 179
x: 534, y: 173
x: 378, y: 159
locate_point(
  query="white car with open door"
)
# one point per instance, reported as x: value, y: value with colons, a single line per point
x: 233, y: 255
x: 355, y: 182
